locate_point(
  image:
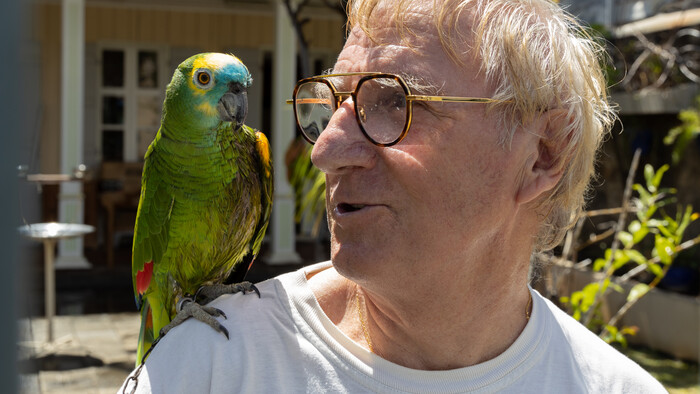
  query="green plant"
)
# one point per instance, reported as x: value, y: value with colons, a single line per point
x: 652, y: 223
x: 689, y: 129
x: 309, y: 185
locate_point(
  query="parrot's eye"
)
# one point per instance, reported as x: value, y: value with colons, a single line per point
x: 202, y: 78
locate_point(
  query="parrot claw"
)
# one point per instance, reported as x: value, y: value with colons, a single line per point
x: 187, y: 308
x: 246, y: 287
x: 210, y: 292
x: 221, y: 313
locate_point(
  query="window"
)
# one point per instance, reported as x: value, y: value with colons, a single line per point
x: 131, y: 92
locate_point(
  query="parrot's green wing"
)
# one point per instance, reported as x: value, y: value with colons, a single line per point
x: 151, y: 228
x: 150, y: 243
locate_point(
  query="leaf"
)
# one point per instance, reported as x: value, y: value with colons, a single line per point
x: 649, y: 177
x: 576, y: 298
x: 617, y: 287
x: 664, y: 249
x: 650, y: 212
x: 634, y: 226
x: 589, y: 293
x: 613, y: 335
x: 637, y: 292
x: 620, y: 259
x: 635, y: 256
x: 655, y: 269
x: 666, y: 232
x: 629, y: 330
x: 599, y: 264
x: 644, y: 195
x: 656, y: 181
x: 682, y: 135
x: 656, y: 223
x: 670, y: 138
x: 608, y: 254
x: 626, y: 238
x: 639, y: 235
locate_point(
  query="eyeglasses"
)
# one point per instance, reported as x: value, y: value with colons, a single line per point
x: 383, y: 105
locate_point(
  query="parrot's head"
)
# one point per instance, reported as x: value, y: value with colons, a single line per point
x: 207, y: 89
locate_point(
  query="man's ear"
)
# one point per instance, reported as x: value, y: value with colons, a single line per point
x: 546, y: 166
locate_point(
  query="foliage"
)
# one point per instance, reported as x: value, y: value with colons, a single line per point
x: 653, y: 226
x: 309, y: 185
x: 682, y: 135
x: 677, y: 376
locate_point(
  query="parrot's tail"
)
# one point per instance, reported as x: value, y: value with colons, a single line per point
x: 146, y: 336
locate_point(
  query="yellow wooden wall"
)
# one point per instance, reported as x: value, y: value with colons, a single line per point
x: 206, y: 31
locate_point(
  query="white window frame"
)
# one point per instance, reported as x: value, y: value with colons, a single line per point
x: 131, y: 92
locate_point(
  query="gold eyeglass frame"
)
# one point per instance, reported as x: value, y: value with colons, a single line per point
x: 367, y: 76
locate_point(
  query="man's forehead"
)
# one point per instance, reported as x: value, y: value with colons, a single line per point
x: 419, y: 63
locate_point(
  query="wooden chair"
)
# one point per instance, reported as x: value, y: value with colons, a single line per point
x: 120, y: 185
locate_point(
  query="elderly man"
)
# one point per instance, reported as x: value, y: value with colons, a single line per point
x: 457, y: 137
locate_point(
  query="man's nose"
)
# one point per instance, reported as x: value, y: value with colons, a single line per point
x: 342, y: 146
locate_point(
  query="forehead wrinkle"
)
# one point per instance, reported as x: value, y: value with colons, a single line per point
x: 409, y: 23
x: 387, y: 59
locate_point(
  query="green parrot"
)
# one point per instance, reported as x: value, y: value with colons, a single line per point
x: 206, y: 197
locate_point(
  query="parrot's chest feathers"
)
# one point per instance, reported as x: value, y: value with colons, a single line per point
x: 203, y: 171
x: 217, y: 204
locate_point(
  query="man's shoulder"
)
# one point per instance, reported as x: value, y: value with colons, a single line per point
x: 597, y: 363
x: 224, y: 362
x: 276, y: 295
x: 271, y: 297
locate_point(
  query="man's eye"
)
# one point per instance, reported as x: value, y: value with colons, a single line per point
x: 390, y: 100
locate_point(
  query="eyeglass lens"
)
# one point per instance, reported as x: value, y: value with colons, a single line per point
x: 381, y: 109
x: 315, y: 105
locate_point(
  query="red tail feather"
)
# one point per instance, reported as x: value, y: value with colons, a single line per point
x: 143, y: 277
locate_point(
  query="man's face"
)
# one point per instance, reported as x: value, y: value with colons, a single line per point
x: 424, y: 205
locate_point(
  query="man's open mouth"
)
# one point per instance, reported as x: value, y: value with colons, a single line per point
x: 347, y: 208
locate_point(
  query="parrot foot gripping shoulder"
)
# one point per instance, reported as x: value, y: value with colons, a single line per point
x: 209, y: 293
x: 188, y: 306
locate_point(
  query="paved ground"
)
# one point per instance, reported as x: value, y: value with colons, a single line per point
x: 90, y: 353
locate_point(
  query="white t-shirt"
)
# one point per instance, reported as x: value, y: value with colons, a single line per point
x: 284, y: 343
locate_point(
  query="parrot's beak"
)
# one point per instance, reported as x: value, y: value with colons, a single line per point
x: 233, y: 105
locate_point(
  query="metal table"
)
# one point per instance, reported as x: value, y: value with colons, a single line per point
x: 49, y: 234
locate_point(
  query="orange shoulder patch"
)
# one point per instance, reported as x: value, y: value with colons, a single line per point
x: 263, y: 147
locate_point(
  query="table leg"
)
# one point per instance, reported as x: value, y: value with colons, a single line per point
x: 49, y: 286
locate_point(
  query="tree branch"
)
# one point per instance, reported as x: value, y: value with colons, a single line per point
x: 620, y: 225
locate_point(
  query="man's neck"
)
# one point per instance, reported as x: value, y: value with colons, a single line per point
x: 431, y: 326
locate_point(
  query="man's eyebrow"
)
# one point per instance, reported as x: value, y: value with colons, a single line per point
x: 336, y: 81
x: 421, y: 85
x: 417, y: 84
